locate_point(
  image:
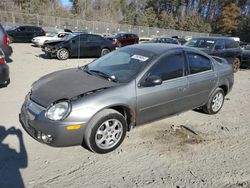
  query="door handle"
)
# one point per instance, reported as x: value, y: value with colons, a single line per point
x: 181, y: 89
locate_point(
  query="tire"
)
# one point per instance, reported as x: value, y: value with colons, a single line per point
x: 104, y: 51
x: 62, y: 54
x: 215, y: 102
x: 101, y: 132
x: 236, y: 64
x: 5, y: 84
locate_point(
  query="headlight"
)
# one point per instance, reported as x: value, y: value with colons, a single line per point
x: 58, y: 111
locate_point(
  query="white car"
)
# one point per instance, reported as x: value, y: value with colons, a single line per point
x: 39, y: 41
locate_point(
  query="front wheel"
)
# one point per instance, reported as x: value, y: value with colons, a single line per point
x: 215, y: 102
x: 62, y: 54
x: 106, y: 131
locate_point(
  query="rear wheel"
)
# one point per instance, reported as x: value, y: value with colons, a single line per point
x: 5, y: 84
x: 236, y: 64
x: 62, y: 54
x: 215, y: 102
x: 104, y: 51
x: 106, y: 131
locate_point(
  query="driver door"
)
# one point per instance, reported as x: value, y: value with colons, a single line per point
x: 168, y: 98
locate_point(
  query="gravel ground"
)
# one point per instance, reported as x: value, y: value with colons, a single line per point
x: 153, y: 155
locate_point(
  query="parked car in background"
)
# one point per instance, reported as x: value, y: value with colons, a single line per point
x: 4, y: 71
x: 78, y: 45
x: 124, y: 39
x: 164, y: 40
x: 25, y: 33
x: 39, y: 41
x: 4, y: 42
x: 98, y: 103
x: 144, y: 39
x: 219, y: 46
x: 180, y: 39
x: 245, y: 63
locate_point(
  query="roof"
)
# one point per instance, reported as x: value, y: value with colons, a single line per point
x: 213, y: 38
x: 157, y: 48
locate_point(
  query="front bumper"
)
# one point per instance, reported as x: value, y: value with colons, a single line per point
x: 36, y: 43
x: 33, y: 120
x: 50, y: 51
x: 4, y: 74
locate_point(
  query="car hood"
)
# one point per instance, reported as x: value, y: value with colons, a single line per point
x: 66, y: 84
x: 53, y: 42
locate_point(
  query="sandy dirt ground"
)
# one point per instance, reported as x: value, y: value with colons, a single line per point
x: 153, y: 155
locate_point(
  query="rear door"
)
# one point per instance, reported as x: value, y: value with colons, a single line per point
x: 165, y: 99
x: 90, y: 45
x: 232, y: 50
x: 20, y: 34
x: 202, y: 79
x: 30, y: 33
x: 219, y: 48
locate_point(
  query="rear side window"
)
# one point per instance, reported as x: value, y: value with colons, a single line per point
x: 231, y: 44
x: 198, y: 63
x: 83, y: 38
x: 169, y: 67
x: 95, y: 38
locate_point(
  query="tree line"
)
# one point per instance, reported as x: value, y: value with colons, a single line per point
x: 228, y: 17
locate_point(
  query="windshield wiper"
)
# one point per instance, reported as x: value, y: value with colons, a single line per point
x: 85, y: 69
x: 104, y: 75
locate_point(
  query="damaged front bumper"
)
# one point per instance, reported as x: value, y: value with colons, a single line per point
x: 53, y: 133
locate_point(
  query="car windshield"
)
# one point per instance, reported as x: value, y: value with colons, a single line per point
x: 13, y: 28
x: 52, y: 34
x: 200, y: 43
x: 121, y: 65
x: 70, y: 36
x: 119, y: 35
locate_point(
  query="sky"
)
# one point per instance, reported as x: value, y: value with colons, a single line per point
x: 66, y: 3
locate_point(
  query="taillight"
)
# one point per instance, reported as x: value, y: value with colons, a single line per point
x: 2, y: 60
x: 5, y: 40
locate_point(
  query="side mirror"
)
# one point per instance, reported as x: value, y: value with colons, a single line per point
x: 152, y: 81
x: 73, y: 41
x: 218, y: 47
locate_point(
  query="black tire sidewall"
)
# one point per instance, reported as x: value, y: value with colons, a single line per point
x: 96, y: 123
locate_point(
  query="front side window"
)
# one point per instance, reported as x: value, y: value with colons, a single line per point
x: 169, y: 67
x: 198, y: 63
x: 201, y: 43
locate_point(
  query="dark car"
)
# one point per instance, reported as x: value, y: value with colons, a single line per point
x: 245, y: 63
x: 4, y: 71
x: 124, y: 39
x: 163, y: 40
x: 219, y: 46
x: 78, y: 45
x: 4, y: 42
x: 25, y: 33
x: 98, y: 103
x: 180, y: 39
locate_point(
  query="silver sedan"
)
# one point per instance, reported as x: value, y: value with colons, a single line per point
x: 97, y: 104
